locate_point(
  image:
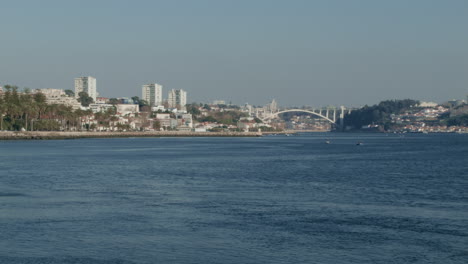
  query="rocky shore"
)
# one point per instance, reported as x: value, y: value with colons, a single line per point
x: 42, y: 135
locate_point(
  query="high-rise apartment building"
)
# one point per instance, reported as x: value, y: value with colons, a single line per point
x: 152, y: 93
x: 86, y: 84
x: 177, y: 98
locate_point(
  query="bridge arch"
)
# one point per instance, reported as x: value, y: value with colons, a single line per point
x: 299, y: 110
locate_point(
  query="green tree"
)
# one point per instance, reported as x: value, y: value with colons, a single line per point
x: 2, y: 111
x: 461, y: 120
x: 140, y: 102
x: 114, y: 101
x: 378, y: 114
x: 193, y: 109
x: 157, y: 125
x: 85, y: 99
x: 70, y: 93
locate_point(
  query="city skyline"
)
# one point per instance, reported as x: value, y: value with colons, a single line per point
x: 155, y: 90
x: 300, y: 52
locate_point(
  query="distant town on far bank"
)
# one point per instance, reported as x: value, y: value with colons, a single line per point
x: 82, y: 109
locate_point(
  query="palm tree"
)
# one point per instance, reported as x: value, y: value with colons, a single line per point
x: 2, y: 111
x: 27, y: 106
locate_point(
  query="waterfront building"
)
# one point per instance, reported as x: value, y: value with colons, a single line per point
x: 86, y: 84
x: 184, y: 120
x: 152, y: 93
x: 177, y: 99
x: 246, y: 123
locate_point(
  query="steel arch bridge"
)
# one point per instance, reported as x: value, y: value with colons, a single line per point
x: 328, y: 114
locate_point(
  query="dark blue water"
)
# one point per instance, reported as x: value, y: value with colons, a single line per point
x: 236, y: 200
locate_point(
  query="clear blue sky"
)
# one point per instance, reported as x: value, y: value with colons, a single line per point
x: 301, y: 52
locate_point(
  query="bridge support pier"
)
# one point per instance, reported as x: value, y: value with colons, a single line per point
x: 342, y: 113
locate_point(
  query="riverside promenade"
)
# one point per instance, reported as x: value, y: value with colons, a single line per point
x: 40, y: 135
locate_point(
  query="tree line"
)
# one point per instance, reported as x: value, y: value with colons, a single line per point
x: 379, y: 114
x: 29, y: 111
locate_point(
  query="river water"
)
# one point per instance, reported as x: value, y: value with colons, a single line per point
x: 274, y: 199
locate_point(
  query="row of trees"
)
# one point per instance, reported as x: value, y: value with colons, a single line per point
x: 27, y: 111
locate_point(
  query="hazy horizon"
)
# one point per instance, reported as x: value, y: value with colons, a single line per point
x: 298, y: 52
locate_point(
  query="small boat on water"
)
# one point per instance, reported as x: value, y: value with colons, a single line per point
x: 327, y: 142
x: 359, y: 143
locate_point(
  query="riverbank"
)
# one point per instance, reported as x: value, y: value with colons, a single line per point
x: 293, y: 132
x: 45, y: 135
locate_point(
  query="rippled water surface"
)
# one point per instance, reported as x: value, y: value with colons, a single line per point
x: 273, y: 199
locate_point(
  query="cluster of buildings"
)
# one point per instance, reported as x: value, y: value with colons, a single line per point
x: 124, y: 113
x: 129, y: 113
x: 117, y: 114
x: 151, y: 93
x: 158, y: 113
x: 426, y: 117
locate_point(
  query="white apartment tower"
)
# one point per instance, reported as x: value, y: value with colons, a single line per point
x: 152, y: 93
x: 86, y: 84
x: 273, y: 106
x: 177, y: 98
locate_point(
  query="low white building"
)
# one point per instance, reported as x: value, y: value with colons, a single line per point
x: 169, y: 123
x: 158, y: 108
x: 163, y: 116
x: 246, y: 123
x: 100, y: 107
x: 58, y: 96
x: 427, y: 104
x: 125, y: 109
x: 101, y: 100
x: 185, y: 120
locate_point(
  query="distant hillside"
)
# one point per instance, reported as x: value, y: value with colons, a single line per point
x: 379, y: 114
